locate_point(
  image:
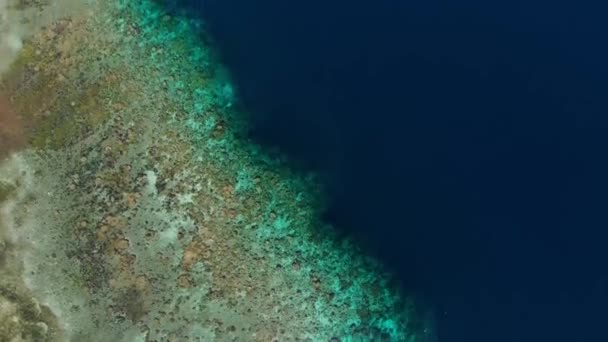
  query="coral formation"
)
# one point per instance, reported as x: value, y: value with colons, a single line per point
x: 138, y: 212
x: 12, y: 135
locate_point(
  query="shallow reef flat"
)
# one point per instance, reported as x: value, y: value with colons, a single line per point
x: 133, y: 208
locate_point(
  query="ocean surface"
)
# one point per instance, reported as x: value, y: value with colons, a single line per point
x: 464, y: 143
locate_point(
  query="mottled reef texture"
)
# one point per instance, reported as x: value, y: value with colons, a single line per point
x: 12, y: 134
x: 133, y: 210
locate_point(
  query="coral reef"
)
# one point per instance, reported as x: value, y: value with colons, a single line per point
x: 137, y: 212
x: 12, y: 134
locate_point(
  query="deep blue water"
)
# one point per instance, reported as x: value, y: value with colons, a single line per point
x: 465, y: 142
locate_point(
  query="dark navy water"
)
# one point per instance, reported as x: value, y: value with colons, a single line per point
x: 465, y: 143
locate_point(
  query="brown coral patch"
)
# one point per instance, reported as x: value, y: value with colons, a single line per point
x: 12, y: 133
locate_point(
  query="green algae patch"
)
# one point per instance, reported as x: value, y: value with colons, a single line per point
x: 58, y: 114
x: 63, y: 80
x: 6, y: 190
x: 22, y: 318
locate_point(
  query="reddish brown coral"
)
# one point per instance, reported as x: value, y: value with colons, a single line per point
x: 12, y: 133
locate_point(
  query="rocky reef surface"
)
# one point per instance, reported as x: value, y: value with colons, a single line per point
x: 133, y: 208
